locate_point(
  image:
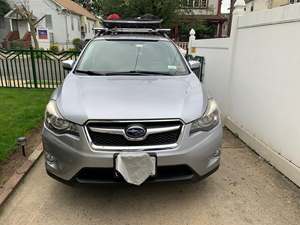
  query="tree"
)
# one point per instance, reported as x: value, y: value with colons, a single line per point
x: 202, y: 29
x: 168, y: 10
x: 165, y: 9
x: 23, y: 10
x: 4, y: 7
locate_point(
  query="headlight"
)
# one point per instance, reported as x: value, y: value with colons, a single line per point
x: 55, y: 122
x: 208, y: 120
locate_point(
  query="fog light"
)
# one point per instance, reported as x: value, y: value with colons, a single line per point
x: 51, y: 160
x: 215, y: 157
x: 217, y: 153
x: 49, y: 157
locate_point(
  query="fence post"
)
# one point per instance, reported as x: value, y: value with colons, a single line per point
x: 33, y: 66
x: 191, y: 39
x: 238, y: 11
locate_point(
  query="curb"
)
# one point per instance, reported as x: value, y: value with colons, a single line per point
x: 20, y: 173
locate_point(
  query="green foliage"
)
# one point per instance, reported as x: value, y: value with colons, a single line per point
x: 39, y: 54
x: 165, y: 9
x: 4, y: 7
x: 77, y: 43
x: 54, y: 48
x: 17, y: 44
x: 202, y: 29
x: 21, y: 110
x: 72, y: 49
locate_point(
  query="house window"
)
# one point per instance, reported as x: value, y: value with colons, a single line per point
x: 194, y: 3
x: 51, y: 37
x: 292, y: 1
x: 72, y: 22
x: 203, y: 4
x: 190, y: 3
x: 187, y: 3
x: 79, y: 25
x: 197, y: 3
x: 48, y: 19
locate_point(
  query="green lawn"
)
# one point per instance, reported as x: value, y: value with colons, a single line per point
x: 20, y: 111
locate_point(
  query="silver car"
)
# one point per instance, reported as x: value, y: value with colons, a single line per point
x: 131, y: 93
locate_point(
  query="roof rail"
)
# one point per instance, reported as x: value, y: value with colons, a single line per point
x: 101, y: 31
x: 131, y: 26
x: 138, y: 23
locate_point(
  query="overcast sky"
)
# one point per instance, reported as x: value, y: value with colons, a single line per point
x: 225, y: 6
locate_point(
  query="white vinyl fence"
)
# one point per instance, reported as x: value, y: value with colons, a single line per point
x: 255, y: 77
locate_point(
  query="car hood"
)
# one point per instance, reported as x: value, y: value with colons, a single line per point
x: 84, y: 98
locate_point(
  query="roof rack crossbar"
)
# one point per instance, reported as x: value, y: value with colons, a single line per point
x: 131, y: 26
x: 136, y: 23
x: 133, y: 21
x: 100, y: 31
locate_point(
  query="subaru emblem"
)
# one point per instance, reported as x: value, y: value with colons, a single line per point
x: 135, y: 132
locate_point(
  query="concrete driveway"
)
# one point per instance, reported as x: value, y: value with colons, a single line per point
x: 246, y: 190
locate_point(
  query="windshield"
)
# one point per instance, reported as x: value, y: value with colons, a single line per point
x: 106, y: 57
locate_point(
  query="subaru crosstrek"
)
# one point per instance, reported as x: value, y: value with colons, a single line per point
x: 131, y: 93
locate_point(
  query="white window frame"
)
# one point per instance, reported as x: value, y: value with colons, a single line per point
x: 49, y: 21
x: 72, y: 22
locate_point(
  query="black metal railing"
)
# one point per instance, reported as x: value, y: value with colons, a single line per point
x: 31, y: 68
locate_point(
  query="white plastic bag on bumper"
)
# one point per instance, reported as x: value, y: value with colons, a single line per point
x: 135, y: 167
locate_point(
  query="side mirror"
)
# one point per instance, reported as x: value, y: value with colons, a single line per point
x: 194, y: 64
x: 196, y: 67
x: 68, y: 64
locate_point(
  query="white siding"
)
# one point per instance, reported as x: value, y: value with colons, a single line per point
x: 258, y: 5
x: 61, y: 22
x: 255, y: 77
x: 90, y: 32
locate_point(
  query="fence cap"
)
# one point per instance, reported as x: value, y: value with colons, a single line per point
x: 192, y: 32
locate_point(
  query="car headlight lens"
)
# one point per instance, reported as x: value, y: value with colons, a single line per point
x: 55, y: 122
x: 208, y: 120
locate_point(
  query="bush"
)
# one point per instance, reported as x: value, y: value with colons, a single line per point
x: 72, y: 49
x: 39, y: 54
x: 77, y: 43
x: 17, y: 44
x: 54, y: 48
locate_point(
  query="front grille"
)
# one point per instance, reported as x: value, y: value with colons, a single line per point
x: 115, y: 140
x: 107, y: 175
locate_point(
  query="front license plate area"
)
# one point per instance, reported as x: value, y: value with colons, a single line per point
x: 118, y: 175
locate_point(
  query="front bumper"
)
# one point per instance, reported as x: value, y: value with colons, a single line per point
x: 195, y: 157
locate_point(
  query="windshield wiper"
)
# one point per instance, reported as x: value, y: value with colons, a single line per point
x: 124, y: 73
x: 153, y: 72
x: 90, y: 72
x: 139, y: 73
